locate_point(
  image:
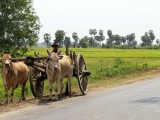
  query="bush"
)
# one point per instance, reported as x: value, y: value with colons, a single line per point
x: 119, y: 68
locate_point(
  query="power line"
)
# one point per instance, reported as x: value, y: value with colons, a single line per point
x: 146, y: 5
x: 152, y: 3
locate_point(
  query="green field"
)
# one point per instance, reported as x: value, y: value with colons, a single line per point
x: 104, y: 53
x: 104, y: 64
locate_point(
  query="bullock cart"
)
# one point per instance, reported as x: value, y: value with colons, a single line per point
x: 38, y: 74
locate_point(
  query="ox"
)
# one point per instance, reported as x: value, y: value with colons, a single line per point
x: 13, y: 74
x: 56, y: 70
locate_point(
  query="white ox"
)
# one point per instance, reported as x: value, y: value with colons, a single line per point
x: 56, y: 70
x: 13, y: 74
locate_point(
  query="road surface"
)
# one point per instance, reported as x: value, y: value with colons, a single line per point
x: 137, y: 101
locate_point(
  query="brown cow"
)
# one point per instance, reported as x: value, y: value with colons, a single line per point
x: 13, y: 74
x: 56, y: 70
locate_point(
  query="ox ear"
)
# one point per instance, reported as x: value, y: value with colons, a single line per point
x: 10, y: 54
x: 48, y: 52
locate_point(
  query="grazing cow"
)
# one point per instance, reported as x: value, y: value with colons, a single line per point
x: 56, y: 70
x: 13, y: 74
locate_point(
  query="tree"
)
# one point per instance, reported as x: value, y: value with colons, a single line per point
x: 111, y: 38
x: 152, y: 36
x: 47, y: 38
x: 94, y: 31
x: 19, y: 26
x: 134, y: 43
x: 109, y: 32
x: 59, y: 35
x: 102, y: 36
x: 91, y: 32
x: 147, y: 39
x: 75, y: 37
x: 117, y: 39
x: 67, y: 41
x: 91, y: 42
x: 84, y: 42
x: 130, y: 38
x: 157, y: 41
x: 123, y: 39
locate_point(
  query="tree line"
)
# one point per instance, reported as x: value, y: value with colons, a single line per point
x: 95, y: 40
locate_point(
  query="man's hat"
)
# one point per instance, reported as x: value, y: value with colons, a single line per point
x: 54, y: 44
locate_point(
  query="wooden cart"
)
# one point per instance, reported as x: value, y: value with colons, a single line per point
x: 38, y: 75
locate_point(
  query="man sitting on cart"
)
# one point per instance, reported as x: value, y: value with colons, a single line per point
x: 55, y: 48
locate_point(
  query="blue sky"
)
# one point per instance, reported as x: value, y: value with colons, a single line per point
x: 123, y: 17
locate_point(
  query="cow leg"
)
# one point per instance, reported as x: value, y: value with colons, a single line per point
x: 22, y: 98
x: 12, y: 93
x: 61, y: 87
x: 69, y: 85
x: 50, y: 89
x: 6, y: 94
x: 56, y: 89
x: 66, y: 92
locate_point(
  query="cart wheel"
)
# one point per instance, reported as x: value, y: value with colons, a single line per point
x: 36, y: 85
x: 82, y: 80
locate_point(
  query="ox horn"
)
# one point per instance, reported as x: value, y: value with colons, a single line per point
x: 48, y: 52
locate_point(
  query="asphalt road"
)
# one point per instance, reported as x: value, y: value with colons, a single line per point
x: 137, y: 101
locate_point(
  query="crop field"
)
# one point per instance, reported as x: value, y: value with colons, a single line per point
x: 104, y: 64
x: 104, y: 53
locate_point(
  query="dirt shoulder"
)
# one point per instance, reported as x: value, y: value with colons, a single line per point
x: 30, y: 101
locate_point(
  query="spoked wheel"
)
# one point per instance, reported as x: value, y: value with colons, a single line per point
x: 36, y: 84
x: 82, y: 79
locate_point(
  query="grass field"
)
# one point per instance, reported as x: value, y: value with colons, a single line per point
x: 104, y: 64
x: 104, y: 53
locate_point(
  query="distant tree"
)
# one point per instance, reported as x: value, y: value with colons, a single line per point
x: 59, y: 35
x: 109, y: 32
x: 91, y: 42
x: 67, y: 41
x: 94, y: 31
x: 91, y: 32
x: 84, y: 42
x: 130, y: 38
x: 134, y: 43
x: 111, y: 38
x: 152, y: 36
x: 117, y: 39
x: 102, y: 36
x: 123, y: 39
x: 75, y: 37
x: 108, y: 42
x: 19, y: 26
x: 147, y: 39
x: 47, y: 38
x: 157, y: 41
x: 101, y: 32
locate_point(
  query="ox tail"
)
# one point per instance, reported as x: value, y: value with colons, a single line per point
x: 66, y: 92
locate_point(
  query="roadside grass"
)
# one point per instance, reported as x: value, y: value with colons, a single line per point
x: 109, y: 67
